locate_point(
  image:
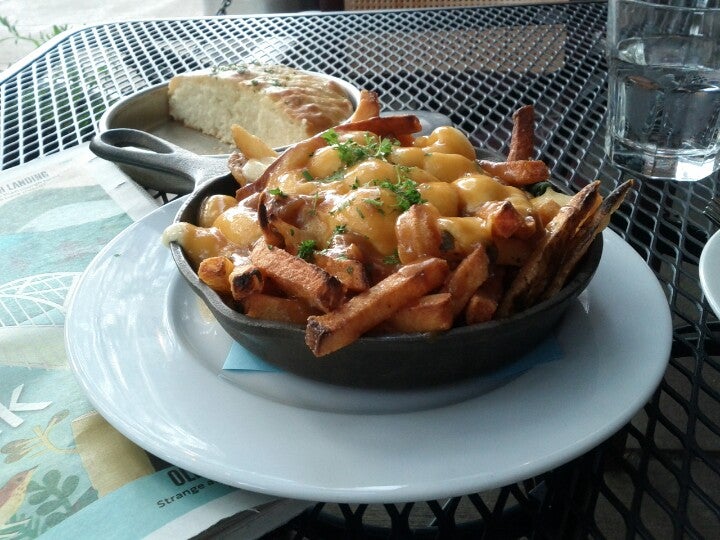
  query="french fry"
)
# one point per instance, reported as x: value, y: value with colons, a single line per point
x: 275, y: 308
x: 585, y: 236
x: 522, y: 141
x: 537, y: 271
x: 418, y: 233
x: 484, y: 302
x: 251, y: 146
x: 297, y: 277
x: 351, y: 273
x: 327, y: 333
x: 271, y: 234
x: 472, y: 271
x: 368, y: 107
x: 294, y: 157
x: 511, y: 251
x: 251, y: 200
x: 517, y: 173
x: 505, y: 220
x: 215, y: 272
x: 385, y: 126
x: 480, y: 308
x: 584, y: 208
x: 245, y: 280
x: 431, y: 313
x: 546, y: 210
x: 236, y: 162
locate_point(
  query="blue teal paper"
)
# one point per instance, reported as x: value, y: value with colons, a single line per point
x: 240, y: 359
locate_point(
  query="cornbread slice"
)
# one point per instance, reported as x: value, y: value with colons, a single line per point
x: 279, y: 104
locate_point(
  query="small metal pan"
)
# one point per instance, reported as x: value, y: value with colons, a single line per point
x: 402, y: 361
x: 165, y: 166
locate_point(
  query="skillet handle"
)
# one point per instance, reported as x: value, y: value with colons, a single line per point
x: 142, y: 150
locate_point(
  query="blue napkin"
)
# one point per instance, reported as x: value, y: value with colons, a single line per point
x: 240, y: 359
x: 549, y: 350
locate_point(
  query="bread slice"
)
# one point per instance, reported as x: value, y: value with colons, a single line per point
x: 279, y: 104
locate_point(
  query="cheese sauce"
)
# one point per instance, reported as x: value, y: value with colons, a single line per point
x: 359, y: 185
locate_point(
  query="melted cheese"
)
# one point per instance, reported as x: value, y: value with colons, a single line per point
x: 448, y: 167
x: 466, y: 232
x: 319, y: 196
x: 447, y: 140
x: 475, y: 190
x: 212, y: 207
x: 369, y: 212
x: 443, y: 196
x: 198, y: 242
x: 239, y: 225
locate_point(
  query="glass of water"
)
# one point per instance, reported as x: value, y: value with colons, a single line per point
x: 664, y: 87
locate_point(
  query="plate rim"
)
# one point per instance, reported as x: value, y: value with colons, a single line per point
x: 709, y: 280
x: 268, y: 484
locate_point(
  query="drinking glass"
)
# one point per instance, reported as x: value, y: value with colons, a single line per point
x: 664, y: 87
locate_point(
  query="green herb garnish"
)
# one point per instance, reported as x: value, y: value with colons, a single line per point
x: 377, y: 202
x: 306, y: 249
x: 539, y: 188
x: 405, y: 191
x: 391, y: 260
x: 351, y: 152
x: 277, y: 192
x: 340, y: 229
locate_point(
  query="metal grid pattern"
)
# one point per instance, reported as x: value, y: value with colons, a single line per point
x: 660, y: 476
x: 406, y: 4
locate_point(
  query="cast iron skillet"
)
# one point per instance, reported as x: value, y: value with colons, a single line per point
x: 400, y: 361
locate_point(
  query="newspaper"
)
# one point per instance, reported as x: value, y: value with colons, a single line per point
x: 64, y: 471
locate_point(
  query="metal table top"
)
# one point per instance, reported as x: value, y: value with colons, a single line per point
x: 660, y: 475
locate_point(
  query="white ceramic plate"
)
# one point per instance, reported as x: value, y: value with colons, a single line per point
x: 150, y: 358
x: 710, y: 272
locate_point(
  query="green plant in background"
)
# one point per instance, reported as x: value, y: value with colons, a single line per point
x: 37, y: 41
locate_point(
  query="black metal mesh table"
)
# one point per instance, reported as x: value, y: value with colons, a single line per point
x: 660, y: 475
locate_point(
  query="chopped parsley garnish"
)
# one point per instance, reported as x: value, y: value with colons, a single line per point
x: 277, y: 192
x: 307, y: 176
x: 391, y: 260
x: 539, y: 188
x: 306, y: 249
x: 340, y: 229
x: 331, y: 137
x: 334, y: 177
x: 313, y: 208
x: 377, y: 202
x: 405, y: 191
x: 351, y: 152
x: 240, y: 68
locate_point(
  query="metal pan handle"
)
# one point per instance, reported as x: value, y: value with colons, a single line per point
x: 141, y: 149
